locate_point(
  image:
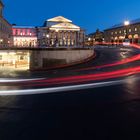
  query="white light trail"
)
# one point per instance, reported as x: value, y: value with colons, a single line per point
x: 65, y: 88
x: 6, y: 80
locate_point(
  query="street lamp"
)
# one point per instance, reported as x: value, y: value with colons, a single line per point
x: 126, y: 24
x: 126, y: 40
x: 48, y: 42
x: 89, y: 39
x: 1, y: 42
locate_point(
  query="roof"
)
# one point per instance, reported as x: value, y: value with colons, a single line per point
x: 94, y: 33
x: 59, y: 19
x: 136, y: 21
x: 23, y: 27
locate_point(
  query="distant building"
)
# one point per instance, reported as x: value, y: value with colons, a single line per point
x: 24, y: 36
x: 96, y: 37
x: 60, y: 31
x: 119, y: 32
x: 5, y: 29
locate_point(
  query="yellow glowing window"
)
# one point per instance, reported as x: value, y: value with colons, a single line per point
x: 0, y: 57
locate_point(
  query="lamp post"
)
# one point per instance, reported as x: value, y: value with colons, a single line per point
x: 126, y: 24
x: 89, y: 40
x: 126, y: 38
x: 48, y: 41
x: 1, y: 42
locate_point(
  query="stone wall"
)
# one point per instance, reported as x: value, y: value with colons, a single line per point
x: 45, y: 59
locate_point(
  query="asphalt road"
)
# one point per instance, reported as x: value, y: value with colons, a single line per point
x: 109, y: 108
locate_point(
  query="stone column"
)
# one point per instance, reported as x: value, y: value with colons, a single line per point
x: 78, y: 39
x: 75, y: 38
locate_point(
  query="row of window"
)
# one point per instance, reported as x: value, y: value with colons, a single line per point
x: 22, y: 32
x: 61, y: 35
x: 4, y: 27
x: 124, y: 31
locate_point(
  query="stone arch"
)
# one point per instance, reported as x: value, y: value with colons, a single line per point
x: 136, y: 38
x: 130, y: 38
x: 116, y: 39
x: 121, y: 38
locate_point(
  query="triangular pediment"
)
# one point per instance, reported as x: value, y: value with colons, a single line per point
x: 59, y: 19
x: 65, y: 26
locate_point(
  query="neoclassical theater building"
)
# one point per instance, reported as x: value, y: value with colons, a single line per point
x: 5, y: 29
x: 60, y: 31
x: 119, y: 32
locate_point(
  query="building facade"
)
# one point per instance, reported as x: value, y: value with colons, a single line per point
x: 24, y: 36
x: 94, y: 38
x: 5, y: 29
x: 119, y: 32
x: 60, y: 31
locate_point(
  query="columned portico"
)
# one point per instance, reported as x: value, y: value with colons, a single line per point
x: 60, y: 31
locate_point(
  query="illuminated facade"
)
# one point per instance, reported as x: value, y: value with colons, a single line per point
x: 94, y: 38
x: 24, y: 36
x: 5, y: 29
x: 13, y: 59
x: 119, y: 32
x: 60, y: 31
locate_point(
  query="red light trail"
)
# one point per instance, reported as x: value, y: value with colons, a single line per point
x: 80, y: 79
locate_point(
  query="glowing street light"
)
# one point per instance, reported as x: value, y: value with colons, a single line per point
x: 126, y: 40
x: 89, y: 39
x: 48, y: 41
x: 47, y: 36
x: 1, y: 40
x: 126, y: 23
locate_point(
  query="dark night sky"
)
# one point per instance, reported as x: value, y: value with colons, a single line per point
x: 89, y: 14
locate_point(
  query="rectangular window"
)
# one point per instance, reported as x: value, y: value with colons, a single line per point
x: 16, y: 32
x: 0, y: 57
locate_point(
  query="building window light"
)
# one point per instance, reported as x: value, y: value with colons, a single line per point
x: 89, y: 39
x: 129, y: 30
x: 0, y: 57
x: 135, y: 29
